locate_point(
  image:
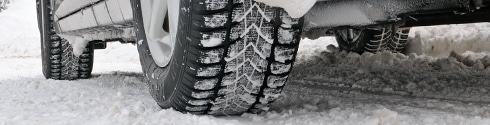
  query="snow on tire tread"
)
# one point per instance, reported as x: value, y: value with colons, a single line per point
x: 235, y: 48
x: 69, y: 62
x: 248, y: 58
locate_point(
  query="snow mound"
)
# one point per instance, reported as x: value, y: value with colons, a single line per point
x: 386, y: 59
x: 395, y: 73
x: 310, y: 47
x: 439, y: 41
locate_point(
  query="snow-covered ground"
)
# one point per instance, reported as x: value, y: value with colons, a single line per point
x: 326, y: 86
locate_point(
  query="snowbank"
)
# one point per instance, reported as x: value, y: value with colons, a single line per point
x: 311, y: 47
x: 439, y: 41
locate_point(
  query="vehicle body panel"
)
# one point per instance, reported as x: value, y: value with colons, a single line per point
x: 359, y: 13
x: 95, y: 19
x: 111, y: 19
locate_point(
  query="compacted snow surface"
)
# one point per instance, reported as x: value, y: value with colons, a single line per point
x: 325, y: 87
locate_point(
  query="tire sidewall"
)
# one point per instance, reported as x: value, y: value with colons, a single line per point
x: 162, y: 81
x: 44, y: 24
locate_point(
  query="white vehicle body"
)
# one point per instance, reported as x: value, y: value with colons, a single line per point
x: 115, y: 16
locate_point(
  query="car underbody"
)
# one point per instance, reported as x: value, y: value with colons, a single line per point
x: 335, y: 13
x: 341, y: 14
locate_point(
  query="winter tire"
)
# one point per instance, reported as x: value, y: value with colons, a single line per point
x: 229, y: 56
x: 372, y: 40
x: 58, y: 60
x: 399, y: 41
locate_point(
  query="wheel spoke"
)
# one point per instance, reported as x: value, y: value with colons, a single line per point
x: 160, y: 42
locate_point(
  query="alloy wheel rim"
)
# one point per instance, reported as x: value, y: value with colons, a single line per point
x: 160, y: 42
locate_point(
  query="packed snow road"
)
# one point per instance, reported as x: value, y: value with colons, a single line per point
x: 325, y: 87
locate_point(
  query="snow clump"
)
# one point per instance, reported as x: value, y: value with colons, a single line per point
x: 77, y: 42
x: 3, y: 4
